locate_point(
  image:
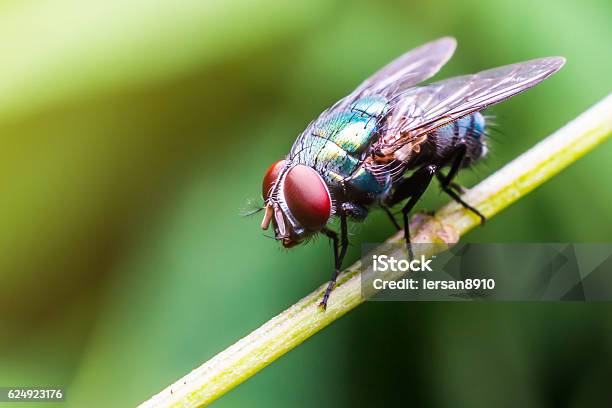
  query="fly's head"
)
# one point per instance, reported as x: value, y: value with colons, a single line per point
x: 297, y: 202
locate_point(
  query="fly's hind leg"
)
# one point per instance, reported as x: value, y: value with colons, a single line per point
x: 387, y: 211
x: 413, y: 188
x: 454, y: 189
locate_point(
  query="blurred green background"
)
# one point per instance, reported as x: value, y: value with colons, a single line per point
x: 133, y: 132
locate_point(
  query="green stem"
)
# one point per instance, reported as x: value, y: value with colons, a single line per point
x: 296, y: 324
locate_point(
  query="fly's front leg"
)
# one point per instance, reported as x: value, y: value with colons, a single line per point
x: 340, y: 248
x: 450, y: 188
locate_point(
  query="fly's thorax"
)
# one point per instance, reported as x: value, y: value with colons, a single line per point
x: 336, y: 144
x: 337, y: 140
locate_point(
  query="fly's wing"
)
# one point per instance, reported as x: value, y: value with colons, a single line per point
x: 420, y: 110
x: 409, y: 69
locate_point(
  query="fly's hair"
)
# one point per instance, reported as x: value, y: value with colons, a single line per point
x: 306, y: 240
x: 492, y: 132
x: 334, y: 203
x: 273, y: 191
x: 252, y: 207
x: 489, y: 118
x: 393, y: 169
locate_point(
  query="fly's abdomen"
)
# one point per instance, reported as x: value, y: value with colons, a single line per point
x: 468, y: 131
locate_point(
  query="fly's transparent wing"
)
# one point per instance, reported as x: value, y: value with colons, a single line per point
x: 409, y: 69
x: 420, y: 110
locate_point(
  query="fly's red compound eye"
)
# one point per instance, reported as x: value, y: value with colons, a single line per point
x: 307, y: 197
x: 270, y: 177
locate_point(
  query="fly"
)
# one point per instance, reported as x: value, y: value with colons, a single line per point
x: 385, y: 142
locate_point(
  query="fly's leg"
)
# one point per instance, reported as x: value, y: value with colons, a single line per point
x: 446, y: 181
x: 387, y: 211
x: 333, y: 235
x: 458, y: 188
x: 422, y: 178
x: 458, y: 199
x: 450, y: 188
x: 340, y: 248
x: 413, y: 188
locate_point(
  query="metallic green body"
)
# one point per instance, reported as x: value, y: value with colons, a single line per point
x: 336, y: 144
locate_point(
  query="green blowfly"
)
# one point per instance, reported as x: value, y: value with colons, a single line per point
x: 385, y: 142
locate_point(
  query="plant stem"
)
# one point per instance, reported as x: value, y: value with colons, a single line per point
x: 290, y: 328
